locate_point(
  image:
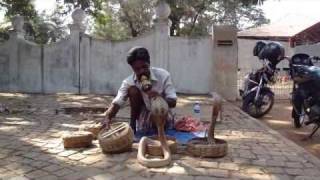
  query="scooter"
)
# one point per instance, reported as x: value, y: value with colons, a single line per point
x: 305, y: 96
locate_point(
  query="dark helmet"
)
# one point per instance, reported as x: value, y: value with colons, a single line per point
x: 273, y: 51
x: 138, y: 53
x: 258, y: 47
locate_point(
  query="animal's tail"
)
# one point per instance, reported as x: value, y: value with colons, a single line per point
x: 156, y: 162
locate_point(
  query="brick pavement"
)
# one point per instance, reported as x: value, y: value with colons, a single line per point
x: 31, y: 147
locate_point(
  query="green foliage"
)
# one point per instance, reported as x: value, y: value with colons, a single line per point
x: 92, y: 7
x: 137, y: 15
x: 188, y: 18
x: 108, y: 26
x: 49, y: 28
x: 194, y: 18
x: 22, y: 7
x: 123, y: 19
x: 41, y: 28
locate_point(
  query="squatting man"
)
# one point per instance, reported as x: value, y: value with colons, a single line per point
x: 139, y: 60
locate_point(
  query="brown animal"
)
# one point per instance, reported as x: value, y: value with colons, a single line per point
x: 216, y: 113
x: 159, y: 114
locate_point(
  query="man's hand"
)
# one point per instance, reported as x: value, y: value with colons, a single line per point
x: 106, y: 122
x: 107, y: 119
x: 109, y: 114
x: 171, y: 102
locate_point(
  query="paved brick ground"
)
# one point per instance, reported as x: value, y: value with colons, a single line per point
x: 31, y: 146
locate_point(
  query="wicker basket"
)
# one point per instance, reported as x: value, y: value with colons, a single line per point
x: 154, y: 147
x: 118, y: 139
x: 93, y: 128
x: 77, y: 139
x: 199, y: 147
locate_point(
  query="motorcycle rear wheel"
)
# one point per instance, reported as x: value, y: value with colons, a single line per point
x: 259, y: 108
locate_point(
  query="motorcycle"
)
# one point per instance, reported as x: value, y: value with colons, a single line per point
x: 305, y: 96
x: 257, y: 97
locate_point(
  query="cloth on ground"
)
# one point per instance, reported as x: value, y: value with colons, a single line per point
x: 183, y: 130
x: 189, y: 124
x: 181, y: 137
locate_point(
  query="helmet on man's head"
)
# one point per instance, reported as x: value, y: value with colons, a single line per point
x: 138, y: 53
x: 273, y: 51
x: 258, y: 47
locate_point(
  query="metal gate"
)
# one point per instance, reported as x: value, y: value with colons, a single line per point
x: 282, y: 88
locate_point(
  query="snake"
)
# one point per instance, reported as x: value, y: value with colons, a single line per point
x: 216, y: 111
x: 209, y: 146
x: 159, y: 113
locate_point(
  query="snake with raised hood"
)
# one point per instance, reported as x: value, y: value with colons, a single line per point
x: 216, y: 113
x: 159, y: 114
x: 209, y: 146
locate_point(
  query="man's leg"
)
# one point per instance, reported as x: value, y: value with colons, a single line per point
x: 136, y: 104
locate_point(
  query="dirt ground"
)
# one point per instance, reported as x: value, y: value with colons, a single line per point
x: 279, y: 119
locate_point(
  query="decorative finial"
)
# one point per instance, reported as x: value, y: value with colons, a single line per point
x: 17, y: 23
x: 78, y: 16
x: 162, y: 10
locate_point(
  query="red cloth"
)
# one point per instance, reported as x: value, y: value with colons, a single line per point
x: 189, y: 124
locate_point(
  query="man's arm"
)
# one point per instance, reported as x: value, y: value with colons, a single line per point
x: 112, y: 111
x: 117, y: 102
x: 170, y: 92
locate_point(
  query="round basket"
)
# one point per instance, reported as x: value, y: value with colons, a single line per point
x: 154, y: 147
x: 117, y: 139
x: 77, y: 139
x: 199, y: 147
x: 93, y: 128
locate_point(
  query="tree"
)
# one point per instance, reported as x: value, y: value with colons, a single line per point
x: 41, y: 28
x: 108, y: 26
x: 114, y: 19
x: 17, y: 7
x: 197, y: 17
x: 91, y: 7
x: 137, y: 15
x: 49, y: 28
x: 189, y: 18
x: 122, y: 19
x: 22, y: 7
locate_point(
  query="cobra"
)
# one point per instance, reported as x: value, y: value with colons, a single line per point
x: 209, y: 146
x: 216, y: 111
x: 159, y: 114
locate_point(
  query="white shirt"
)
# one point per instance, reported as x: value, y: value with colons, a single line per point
x: 161, y: 83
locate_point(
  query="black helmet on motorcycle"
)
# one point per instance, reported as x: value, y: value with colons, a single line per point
x: 258, y: 47
x: 273, y: 51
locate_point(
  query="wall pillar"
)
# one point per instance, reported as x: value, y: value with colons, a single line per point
x: 161, y: 37
x: 81, y: 64
x: 17, y: 24
x: 225, y: 54
x: 16, y: 35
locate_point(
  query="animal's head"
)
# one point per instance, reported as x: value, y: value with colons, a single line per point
x: 146, y: 83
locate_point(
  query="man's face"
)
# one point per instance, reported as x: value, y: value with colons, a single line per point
x: 140, y: 68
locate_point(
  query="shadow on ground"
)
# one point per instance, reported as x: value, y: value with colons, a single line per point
x: 279, y: 119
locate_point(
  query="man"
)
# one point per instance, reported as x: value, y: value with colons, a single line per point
x: 139, y: 60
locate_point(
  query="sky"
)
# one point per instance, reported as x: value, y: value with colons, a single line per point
x: 292, y: 11
x: 278, y: 11
x: 41, y: 5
